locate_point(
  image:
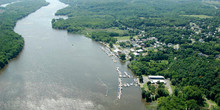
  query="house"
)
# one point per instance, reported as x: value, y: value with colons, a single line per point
x: 132, y: 50
x: 139, y: 51
x: 170, y: 45
x: 136, y: 54
x: 117, y: 51
x: 201, y: 54
x: 217, y: 56
x: 201, y: 40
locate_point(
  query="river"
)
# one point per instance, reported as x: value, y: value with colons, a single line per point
x: 61, y: 71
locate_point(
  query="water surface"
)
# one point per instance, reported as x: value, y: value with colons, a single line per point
x: 61, y: 71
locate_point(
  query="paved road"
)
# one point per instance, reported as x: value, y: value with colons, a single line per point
x: 168, y: 85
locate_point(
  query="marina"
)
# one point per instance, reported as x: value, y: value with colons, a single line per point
x: 121, y: 75
x: 120, y: 85
x: 110, y: 53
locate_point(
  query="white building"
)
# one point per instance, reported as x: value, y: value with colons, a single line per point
x: 139, y: 51
x: 155, y: 79
x: 136, y: 54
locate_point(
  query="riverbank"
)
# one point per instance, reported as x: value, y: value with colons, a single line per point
x: 157, y: 45
x: 11, y: 43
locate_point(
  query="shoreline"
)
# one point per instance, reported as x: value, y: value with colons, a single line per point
x: 14, y: 23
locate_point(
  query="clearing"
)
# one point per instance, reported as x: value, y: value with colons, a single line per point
x: 123, y: 38
x: 198, y: 16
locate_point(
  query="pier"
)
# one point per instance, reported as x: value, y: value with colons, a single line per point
x: 121, y: 75
x: 119, y: 88
x: 110, y: 53
x: 120, y: 85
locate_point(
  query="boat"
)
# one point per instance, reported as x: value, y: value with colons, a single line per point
x: 128, y: 84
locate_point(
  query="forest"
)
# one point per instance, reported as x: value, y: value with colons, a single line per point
x: 10, y: 42
x: 193, y: 68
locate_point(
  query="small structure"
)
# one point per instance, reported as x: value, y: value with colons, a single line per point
x: 139, y: 51
x: 169, y: 44
x: 132, y: 50
x: 117, y: 51
x: 155, y: 79
x: 201, y: 54
x: 136, y: 54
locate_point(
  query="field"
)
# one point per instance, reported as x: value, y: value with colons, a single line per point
x: 198, y: 16
x: 123, y: 38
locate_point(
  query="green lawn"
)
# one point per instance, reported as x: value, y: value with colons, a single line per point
x: 172, y: 87
x: 123, y: 38
x: 198, y: 16
x: 116, y: 30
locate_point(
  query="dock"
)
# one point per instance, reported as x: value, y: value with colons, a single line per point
x: 120, y: 84
x: 110, y: 53
x: 121, y: 75
x: 119, y: 88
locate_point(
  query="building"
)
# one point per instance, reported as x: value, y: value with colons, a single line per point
x: 139, y: 51
x: 136, y: 54
x: 117, y: 51
x: 155, y: 79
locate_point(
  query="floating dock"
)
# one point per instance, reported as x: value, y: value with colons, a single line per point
x: 119, y: 88
x: 120, y: 74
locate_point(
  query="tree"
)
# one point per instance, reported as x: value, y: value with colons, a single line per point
x: 122, y: 44
x: 141, y: 79
x: 111, y: 45
x: 162, y: 92
x: 176, y: 92
x: 193, y: 92
x: 143, y: 92
x: 192, y: 105
x: 218, y: 101
x: 148, y: 96
x: 122, y: 56
x: 148, y: 83
x: 171, y: 103
x: 132, y: 56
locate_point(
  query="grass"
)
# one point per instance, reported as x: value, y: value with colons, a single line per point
x: 145, y: 87
x: 173, y: 87
x: 88, y: 31
x: 116, y: 30
x: 142, y: 17
x: 151, y: 106
x: 164, y: 61
x: 198, y: 16
x: 123, y: 38
x: 212, y: 103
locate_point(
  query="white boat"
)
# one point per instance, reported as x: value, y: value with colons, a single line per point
x: 128, y: 84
